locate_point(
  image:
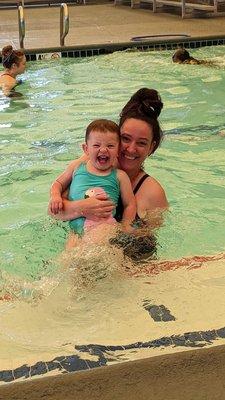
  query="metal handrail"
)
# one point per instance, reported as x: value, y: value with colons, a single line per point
x: 64, y: 22
x: 21, y: 22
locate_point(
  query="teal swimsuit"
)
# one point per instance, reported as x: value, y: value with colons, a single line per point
x: 84, y: 180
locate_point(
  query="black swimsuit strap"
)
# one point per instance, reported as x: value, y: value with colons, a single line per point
x: 119, y: 208
x: 137, y: 187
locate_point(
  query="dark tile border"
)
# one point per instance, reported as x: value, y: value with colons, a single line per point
x: 153, y: 44
x: 104, y: 354
x: 142, y: 46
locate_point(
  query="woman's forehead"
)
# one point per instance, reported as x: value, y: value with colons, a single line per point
x: 137, y: 128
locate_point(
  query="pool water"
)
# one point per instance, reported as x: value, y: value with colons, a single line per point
x: 40, y: 133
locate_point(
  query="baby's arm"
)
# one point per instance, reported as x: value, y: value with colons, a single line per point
x: 128, y: 200
x: 60, y: 185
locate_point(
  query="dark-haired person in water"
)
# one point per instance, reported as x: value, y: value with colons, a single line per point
x: 14, y: 63
x: 182, y: 56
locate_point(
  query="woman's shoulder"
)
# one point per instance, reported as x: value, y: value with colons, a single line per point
x: 119, y: 171
x: 153, y: 193
x: 7, y: 83
x: 121, y: 175
x: 7, y: 78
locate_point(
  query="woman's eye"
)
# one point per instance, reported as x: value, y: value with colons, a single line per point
x: 125, y: 139
x: 142, y: 144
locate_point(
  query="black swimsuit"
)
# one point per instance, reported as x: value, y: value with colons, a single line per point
x: 119, y: 208
x: 137, y: 248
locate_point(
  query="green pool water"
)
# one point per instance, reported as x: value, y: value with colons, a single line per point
x: 43, y: 131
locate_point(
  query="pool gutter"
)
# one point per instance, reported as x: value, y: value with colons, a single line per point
x: 154, y: 43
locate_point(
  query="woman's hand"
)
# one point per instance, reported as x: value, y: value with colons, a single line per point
x: 98, y: 207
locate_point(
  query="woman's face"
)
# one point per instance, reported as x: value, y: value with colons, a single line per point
x: 20, y: 67
x: 136, y: 144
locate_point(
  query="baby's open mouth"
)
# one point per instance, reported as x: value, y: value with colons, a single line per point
x: 102, y: 159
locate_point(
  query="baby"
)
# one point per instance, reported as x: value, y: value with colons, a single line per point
x: 97, y: 177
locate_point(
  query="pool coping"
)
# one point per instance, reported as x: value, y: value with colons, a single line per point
x: 196, y: 374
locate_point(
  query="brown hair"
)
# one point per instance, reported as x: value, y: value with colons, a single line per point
x: 102, y: 125
x: 10, y: 56
x: 145, y: 105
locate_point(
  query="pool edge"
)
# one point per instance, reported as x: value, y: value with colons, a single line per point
x: 155, y: 44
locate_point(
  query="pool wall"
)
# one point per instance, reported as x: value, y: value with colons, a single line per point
x: 145, y: 45
x: 154, y: 44
x: 195, y: 374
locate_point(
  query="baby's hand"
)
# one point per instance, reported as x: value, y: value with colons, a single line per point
x: 56, y: 204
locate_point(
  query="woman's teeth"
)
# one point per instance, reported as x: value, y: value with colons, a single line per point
x: 129, y: 157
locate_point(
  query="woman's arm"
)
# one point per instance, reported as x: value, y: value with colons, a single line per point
x: 151, y: 196
x: 89, y: 208
x: 151, y: 202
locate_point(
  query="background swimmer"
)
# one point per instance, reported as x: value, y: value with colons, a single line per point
x: 182, y: 56
x: 14, y: 63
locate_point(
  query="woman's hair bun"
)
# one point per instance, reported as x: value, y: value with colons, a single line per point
x: 145, y: 105
x: 148, y: 102
x: 7, y: 50
x: 10, y: 56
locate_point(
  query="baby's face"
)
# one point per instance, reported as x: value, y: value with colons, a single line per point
x: 102, y: 149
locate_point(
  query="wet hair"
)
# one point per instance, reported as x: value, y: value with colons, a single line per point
x: 10, y: 56
x: 102, y: 125
x: 145, y: 105
x: 181, y: 55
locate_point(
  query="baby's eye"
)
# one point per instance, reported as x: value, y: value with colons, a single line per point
x: 96, y: 145
x: 111, y: 146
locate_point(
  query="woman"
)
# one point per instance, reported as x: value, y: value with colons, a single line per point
x: 140, y: 137
x: 14, y: 63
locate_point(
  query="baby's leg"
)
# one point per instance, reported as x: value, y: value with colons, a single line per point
x: 100, y: 234
x: 72, y: 241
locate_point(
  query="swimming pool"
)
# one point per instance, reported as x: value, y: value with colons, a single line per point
x: 40, y: 134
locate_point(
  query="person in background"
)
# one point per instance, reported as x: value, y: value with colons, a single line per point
x: 14, y: 63
x: 182, y: 56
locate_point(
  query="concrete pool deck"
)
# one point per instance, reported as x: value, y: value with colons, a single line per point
x: 98, y: 24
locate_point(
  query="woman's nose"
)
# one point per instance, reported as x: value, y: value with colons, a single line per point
x: 131, y: 147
